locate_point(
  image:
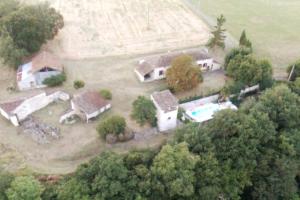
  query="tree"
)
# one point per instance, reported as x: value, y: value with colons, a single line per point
x: 73, y: 189
x: 282, y: 107
x: 25, y: 30
x: 7, y: 7
x: 173, y: 172
x: 108, y: 178
x: 25, y: 188
x: 234, y: 53
x: 244, y: 41
x: 218, y: 39
x: 249, y: 71
x: 144, y: 111
x: 106, y: 94
x: 183, y: 74
x: 295, y: 86
x: 5, y: 182
x: 113, y: 125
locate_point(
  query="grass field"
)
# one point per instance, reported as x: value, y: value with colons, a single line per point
x: 272, y: 25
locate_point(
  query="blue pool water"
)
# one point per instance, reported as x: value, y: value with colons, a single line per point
x: 205, y: 110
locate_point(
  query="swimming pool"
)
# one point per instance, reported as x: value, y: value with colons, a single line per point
x: 206, y: 112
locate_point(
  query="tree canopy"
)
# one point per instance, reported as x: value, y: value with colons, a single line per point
x: 183, y: 74
x: 25, y: 188
x: 218, y: 35
x: 144, y: 111
x: 25, y: 28
x: 244, y: 41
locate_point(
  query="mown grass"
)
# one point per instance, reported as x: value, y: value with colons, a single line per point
x: 272, y: 25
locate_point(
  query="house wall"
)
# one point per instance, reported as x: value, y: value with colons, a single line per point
x: 31, y: 105
x: 208, y: 62
x: 4, y: 114
x: 41, y: 76
x: 157, y: 70
x: 140, y: 77
x: 95, y: 114
x: 165, y: 120
x: 27, y: 83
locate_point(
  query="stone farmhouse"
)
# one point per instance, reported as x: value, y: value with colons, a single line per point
x: 86, y: 105
x: 166, y: 110
x: 19, y: 109
x: 154, y: 68
x: 36, y: 69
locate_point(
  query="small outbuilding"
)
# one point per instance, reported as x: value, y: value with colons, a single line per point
x: 18, y: 110
x: 86, y: 105
x: 166, y: 109
x: 36, y: 69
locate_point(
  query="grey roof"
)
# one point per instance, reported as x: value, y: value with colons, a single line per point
x: 165, y: 100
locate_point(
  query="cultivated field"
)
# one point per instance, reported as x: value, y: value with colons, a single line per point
x: 97, y: 28
x: 272, y: 25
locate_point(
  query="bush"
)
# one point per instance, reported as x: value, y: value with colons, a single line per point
x: 144, y: 111
x: 78, y: 84
x: 106, y: 94
x: 54, y: 81
x: 113, y: 125
x: 296, y: 72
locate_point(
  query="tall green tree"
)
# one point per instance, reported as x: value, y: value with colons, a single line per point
x: 244, y: 41
x: 24, y: 30
x: 144, y: 111
x: 183, y: 74
x: 218, y: 35
x: 173, y: 172
x: 25, y: 188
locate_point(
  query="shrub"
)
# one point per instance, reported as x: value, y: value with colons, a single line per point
x: 78, y: 84
x: 106, y: 94
x: 296, y: 72
x: 144, y: 111
x: 113, y: 125
x: 54, y: 81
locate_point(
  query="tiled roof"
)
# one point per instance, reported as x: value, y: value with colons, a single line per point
x: 165, y: 100
x: 90, y: 101
x: 9, y: 107
x: 45, y: 59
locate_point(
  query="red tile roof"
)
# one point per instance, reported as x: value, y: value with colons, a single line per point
x: 45, y: 59
x: 9, y: 107
x: 90, y: 101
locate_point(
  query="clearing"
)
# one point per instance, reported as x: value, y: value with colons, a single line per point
x: 272, y: 25
x: 94, y: 50
x: 96, y: 28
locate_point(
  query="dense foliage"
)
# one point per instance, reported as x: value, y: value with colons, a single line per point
x: 144, y: 111
x: 25, y: 188
x: 183, y: 74
x: 56, y: 80
x: 25, y: 28
x: 252, y: 153
x: 113, y: 125
x: 296, y: 72
x: 218, y: 38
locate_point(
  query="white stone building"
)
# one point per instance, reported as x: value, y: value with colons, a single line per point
x: 18, y: 110
x: 86, y: 105
x: 155, y: 68
x: 166, y: 110
x: 33, y: 73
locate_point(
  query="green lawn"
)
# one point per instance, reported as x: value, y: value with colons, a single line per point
x: 272, y: 25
